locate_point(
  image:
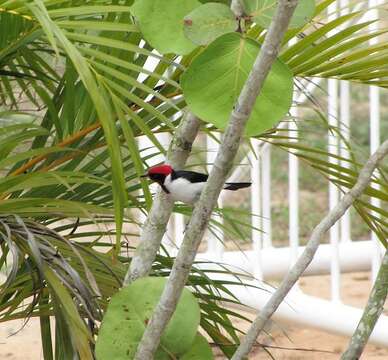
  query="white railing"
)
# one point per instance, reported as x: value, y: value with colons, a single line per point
x: 341, y: 255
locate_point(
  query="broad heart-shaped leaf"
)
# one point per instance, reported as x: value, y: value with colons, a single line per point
x: 263, y: 11
x: 161, y: 23
x: 214, y: 79
x: 208, y: 22
x: 200, y: 350
x: 226, y: 2
x: 128, y: 313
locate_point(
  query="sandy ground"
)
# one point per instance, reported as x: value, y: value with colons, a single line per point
x: 25, y: 344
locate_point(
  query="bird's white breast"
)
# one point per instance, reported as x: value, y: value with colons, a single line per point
x: 183, y: 190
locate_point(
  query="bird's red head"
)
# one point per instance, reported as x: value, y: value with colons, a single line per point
x: 160, y: 169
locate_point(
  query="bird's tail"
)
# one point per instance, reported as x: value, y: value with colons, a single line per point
x: 237, y: 185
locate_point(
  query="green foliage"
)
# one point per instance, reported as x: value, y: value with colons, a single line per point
x: 226, y: 2
x: 208, y: 22
x: 200, y: 349
x: 262, y: 12
x: 71, y: 279
x: 161, y: 23
x: 220, y: 72
x: 128, y: 314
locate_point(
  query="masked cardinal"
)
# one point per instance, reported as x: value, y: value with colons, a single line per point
x: 182, y: 185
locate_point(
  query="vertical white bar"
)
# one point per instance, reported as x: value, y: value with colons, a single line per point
x: 215, y: 241
x: 266, y: 195
x: 293, y: 193
x: 333, y: 190
x: 293, y: 180
x: 374, y: 144
x: 374, y: 114
x: 345, y: 131
x: 333, y: 147
x: 256, y: 220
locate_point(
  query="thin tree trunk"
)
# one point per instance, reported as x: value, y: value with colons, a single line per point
x: 155, y: 225
x: 223, y: 163
x: 305, y: 259
x: 237, y: 8
x: 372, y: 312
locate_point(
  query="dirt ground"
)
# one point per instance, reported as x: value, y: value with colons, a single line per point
x: 25, y: 344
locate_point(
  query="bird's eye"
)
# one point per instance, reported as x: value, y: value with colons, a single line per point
x: 157, y: 177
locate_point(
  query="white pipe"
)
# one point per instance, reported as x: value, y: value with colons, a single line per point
x: 353, y: 256
x: 304, y: 310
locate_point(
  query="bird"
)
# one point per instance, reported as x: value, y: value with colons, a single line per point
x: 182, y: 185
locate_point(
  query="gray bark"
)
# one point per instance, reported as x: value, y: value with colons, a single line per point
x: 155, y: 225
x: 372, y: 312
x: 223, y: 163
x: 237, y: 7
x: 305, y: 259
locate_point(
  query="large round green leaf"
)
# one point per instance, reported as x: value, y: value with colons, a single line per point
x: 128, y: 313
x: 200, y: 350
x: 208, y: 22
x: 226, y: 2
x: 161, y: 23
x: 262, y: 12
x: 213, y: 82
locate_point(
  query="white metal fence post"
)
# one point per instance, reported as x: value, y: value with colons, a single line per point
x: 214, y: 241
x: 293, y: 192
x: 334, y: 193
x: 266, y: 196
x: 344, y: 126
x: 374, y: 114
x: 256, y: 209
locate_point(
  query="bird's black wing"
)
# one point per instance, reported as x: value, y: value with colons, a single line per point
x: 192, y: 176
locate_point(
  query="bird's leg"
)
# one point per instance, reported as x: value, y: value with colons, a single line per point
x: 186, y: 226
x: 188, y: 221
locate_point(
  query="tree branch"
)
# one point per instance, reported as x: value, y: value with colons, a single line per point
x: 305, y: 259
x: 223, y: 163
x: 372, y: 312
x: 237, y: 8
x: 155, y: 225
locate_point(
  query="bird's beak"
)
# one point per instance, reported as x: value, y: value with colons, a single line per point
x: 144, y: 176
